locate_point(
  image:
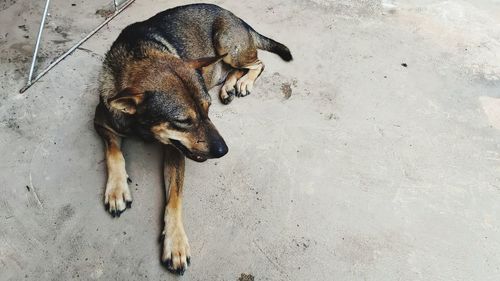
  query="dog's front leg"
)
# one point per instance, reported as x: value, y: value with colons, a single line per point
x: 176, y: 253
x: 117, y: 197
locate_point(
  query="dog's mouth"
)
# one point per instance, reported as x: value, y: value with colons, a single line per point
x: 189, y: 154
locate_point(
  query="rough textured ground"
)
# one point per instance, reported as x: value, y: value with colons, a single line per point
x: 343, y: 165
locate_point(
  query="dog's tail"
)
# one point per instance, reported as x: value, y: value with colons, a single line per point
x: 264, y: 43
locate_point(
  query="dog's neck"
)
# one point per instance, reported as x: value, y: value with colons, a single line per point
x: 159, y: 70
x: 164, y: 45
x: 161, y: 55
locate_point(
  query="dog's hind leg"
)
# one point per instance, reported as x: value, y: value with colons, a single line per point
x: 176, y: 253
x: 117, y: 196
x: 234, y: 39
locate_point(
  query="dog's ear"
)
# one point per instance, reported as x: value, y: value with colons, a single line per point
x: 203, y: 62
x: 127, y: 100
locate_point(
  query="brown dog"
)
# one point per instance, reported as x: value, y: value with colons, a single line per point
x: 154, y: 84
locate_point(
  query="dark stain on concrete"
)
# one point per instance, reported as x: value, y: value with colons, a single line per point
x: 286, y: 89
x: 104, y: 12
x: 62, y: 31
x: 246, y: 277
x: 64, y: 214
x: 6, y: 4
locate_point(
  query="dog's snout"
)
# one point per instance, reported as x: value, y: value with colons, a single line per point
x: 216, y: 145
x: 218, y: 148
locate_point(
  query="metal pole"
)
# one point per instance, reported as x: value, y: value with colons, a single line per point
x: 118, y: 3
x: 124, y: 6
x: 38, y: 39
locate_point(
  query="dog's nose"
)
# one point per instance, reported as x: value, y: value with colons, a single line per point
x: 218, y: 149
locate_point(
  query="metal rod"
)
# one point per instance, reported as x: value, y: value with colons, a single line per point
x: 118, y: 3
x: 38, y: 39
x: 63, y: 56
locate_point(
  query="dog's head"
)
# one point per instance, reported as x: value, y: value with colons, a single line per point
x: 174, y: 108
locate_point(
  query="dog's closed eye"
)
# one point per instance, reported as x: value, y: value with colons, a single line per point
x: 183, y: 122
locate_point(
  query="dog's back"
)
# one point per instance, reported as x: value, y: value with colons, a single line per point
x: 187, y: 32
x: 184, y: 31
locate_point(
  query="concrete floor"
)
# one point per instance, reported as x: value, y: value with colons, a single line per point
x: 343, y: 165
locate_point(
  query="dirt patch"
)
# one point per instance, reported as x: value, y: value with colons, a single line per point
x: 104, y: 12
x: 4, y: 4
x: 65, y: 213
x: 246, y: 277
x: 61, y: 30
x: 286, y: 89
x: 302, y: 243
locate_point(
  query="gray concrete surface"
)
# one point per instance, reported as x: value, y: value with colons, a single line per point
x: 343, y: 165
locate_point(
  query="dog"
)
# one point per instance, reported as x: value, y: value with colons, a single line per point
x: 154, y: 85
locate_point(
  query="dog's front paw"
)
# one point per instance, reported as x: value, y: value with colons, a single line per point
x: 176, y: 253
x: 117, y: 197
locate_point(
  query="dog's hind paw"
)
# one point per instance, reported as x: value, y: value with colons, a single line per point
x: 117, y: 197
x: 176, y: 255
x: 244, y: 86
x: 227, y: 96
